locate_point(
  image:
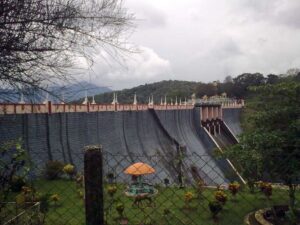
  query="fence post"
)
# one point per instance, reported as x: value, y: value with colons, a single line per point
x: 94, y: 210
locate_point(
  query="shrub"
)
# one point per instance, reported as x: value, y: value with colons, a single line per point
x: 220, y: 196
x: 266, y: 188
x: 55, y: 198
x: 215, y: 208
x: 44, y: 202
x: 149, y: 221
x: 17, y: 183
x: 79, y: 180
x: 53, y: 170
x: 112, y: 190
x: 166, y: 212
x: 200, y: 187
x: 188, y: 197
x: 166, y: 182
x: 80, y: 194
x: 69, y: 169
x: 110, y: 177
x: 234, y: 188
x: 120, y: 209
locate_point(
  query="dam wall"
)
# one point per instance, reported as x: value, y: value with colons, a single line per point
x: 151, y: 136
x: 232, y: 118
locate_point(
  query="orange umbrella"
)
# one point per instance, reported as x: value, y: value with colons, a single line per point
x: 139, y: 169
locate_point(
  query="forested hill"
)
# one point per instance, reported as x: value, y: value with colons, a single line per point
x: 170, y: 88
x: 234, y: 87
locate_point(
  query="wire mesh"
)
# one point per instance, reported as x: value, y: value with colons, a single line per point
x: 173, y: 189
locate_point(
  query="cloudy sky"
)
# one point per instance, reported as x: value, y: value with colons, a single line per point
x: 206, y: 40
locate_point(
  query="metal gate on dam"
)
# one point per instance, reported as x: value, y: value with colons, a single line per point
x: 142, y: 131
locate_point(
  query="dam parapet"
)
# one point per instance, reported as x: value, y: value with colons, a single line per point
x: 49, y: 107
x: 209, y: 109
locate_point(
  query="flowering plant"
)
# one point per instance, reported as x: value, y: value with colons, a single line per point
x: 69, y: 169
x: 220, y: 196
x: 234, y: 188
x: 112, y: 190
x: 266, y: 188
x: 188, y: 196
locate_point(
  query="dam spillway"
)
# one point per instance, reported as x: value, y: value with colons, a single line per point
x: 126, y: 136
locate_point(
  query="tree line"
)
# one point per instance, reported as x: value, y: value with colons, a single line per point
x: 237, y: 87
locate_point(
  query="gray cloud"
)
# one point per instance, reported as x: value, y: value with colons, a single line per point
x: 206, y: 40
x: 138, y: 68
x: 147, y: 15
x: 284, y: 12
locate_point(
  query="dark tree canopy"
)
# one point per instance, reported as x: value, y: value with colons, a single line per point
x: 41, y: 40
x: 269, y: 148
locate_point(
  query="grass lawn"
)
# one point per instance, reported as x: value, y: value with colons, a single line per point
x: 70, y: 207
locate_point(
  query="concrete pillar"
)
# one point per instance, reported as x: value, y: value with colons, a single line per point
x: 220, y: 113
x: 201, y: 114
x: 210, y: 113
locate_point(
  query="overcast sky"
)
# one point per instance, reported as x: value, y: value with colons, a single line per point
x: 206, y: 40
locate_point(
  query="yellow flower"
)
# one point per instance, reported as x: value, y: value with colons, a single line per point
x: 69, y: 169
x: 55, y: 198
x: 220, y: 196
x: 188, y: 196
x: 112, y: 190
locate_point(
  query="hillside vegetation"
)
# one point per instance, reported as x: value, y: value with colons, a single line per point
x: 234, y: 87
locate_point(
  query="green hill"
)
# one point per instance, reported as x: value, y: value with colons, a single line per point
x: 170, y: 88
x: 234, y: 87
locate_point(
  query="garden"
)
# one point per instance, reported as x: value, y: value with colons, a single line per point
x: 60, y: 195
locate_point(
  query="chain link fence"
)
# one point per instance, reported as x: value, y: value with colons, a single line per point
x: 137, y: 189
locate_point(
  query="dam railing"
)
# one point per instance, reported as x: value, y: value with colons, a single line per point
x: 49, y: 107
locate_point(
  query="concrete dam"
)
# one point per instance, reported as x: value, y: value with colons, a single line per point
x: 153, y: 136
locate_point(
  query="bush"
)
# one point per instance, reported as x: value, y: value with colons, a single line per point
x: 188, y: 196
x: 69, y: 169
x: 120, y: 209
x: 44, y: 202
x: 266, y: 188
x: 17, y: 183
x: 112, y: 190
x: 53, y: 170
x: 110, y: 177
x: 215, y: 207
x: 200, y: 187
x: 166, y: 182
x: 234, y: 188
x: 166, y: 212
x: 220, y: 196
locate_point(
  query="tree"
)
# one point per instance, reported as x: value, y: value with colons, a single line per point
x: 246, y: 80
x: 42, y: 40
x: 292, y: 71
x: 228, y: 79
x: 271, y: 144
x: 14, y: 164
x: 272, y: 79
